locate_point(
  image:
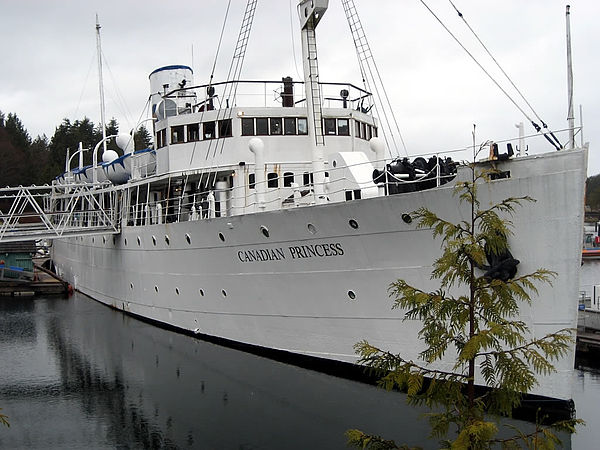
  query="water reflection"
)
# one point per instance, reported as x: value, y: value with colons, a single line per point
x: 76, y: 374
x: 83, y: 375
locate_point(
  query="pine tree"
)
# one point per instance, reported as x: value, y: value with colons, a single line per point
x: 142, y: 137
x: 475, y: 314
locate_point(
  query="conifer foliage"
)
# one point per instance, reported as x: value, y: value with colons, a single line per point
x: 476, y: 316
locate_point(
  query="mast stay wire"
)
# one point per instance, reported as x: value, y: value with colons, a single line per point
x: 120, y: 99
x: 212, y: 72
x: 235, y: 69
x: 365, y: 57
x: 535, y: 125
x: 84, y: 85
x: 544, y: 125
x: 293, y: 42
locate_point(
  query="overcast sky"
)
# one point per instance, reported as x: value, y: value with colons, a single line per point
x: 48, y: 69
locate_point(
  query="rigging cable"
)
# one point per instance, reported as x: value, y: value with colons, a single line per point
x: 119, y: 98
x: 535, y: 125
x: 544, y: 125
x: 293, y: 43
x: 84, y: 85
x: 212, y: 74
x: 365, y: 57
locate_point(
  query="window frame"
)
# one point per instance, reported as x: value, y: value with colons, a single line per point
x: 206, y: 127
x: 248, y: 120
x: 259, y: 121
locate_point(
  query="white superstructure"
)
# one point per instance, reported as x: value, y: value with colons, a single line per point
x: 281, y: 225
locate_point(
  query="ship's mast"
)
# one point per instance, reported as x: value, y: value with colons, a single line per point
x: 100, y: 82
x: 310, y: 13
x: 570, y: 114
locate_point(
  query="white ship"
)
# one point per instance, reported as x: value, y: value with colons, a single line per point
x: 281, y: 227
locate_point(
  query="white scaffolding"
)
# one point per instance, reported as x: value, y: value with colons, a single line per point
x: 51, y: 212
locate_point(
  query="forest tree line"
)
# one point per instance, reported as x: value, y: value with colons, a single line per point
x: 26, y: 161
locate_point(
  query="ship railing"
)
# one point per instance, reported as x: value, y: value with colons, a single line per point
x: 279, y: 193
x: 267, y: 93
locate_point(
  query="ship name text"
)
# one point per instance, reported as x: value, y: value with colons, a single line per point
x: 291, y: 252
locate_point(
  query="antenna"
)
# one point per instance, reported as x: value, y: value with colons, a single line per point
x: 570, y: 114
x: 100, y: 82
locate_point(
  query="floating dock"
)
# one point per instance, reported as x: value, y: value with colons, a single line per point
x: 44, y: 283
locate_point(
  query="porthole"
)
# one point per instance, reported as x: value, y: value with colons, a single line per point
x: 139, y: 241
x: 223, y: 292
x: 201, y: 292
x: 156, y: 289
x: 131, y: 286
x: 188, y: 238
x: 334, y: 163
x: 351, y: 295
x: 125, y: 241
x: 93, y: 240
x: 221, y: 237
x: 177, y: 291
x: 154, y: 240
x: 311, y: 228
x: 353, y: 224
x: 264, y: 230
x: 406, y: 218
x: 167, y: 240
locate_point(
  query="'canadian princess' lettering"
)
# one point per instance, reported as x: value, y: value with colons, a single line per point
x: 293, y: 252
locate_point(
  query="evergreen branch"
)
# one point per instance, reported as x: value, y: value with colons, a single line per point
x: 4, y: 419
x: 359, y: 439
x: 505, y: 206
x: 534, y: 437
x: 376, y: 358
x: 554, y: 345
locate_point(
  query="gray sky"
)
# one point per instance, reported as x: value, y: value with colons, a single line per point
x: 49, y: 60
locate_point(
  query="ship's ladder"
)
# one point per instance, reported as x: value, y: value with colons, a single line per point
x: 45, y: 212
x: 315, y: 87
x: 373, y: 82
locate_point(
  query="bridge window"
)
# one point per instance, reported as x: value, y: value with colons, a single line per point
x: 329, y: 127
x: 357, y: 129
x: 225, y: 128
x: 289, y: 125
x: 193, y: 132
x: 343, y: 127
x: 276, y: 127
x: 177, y: 135
x: 161, y: 138
x: 251, y: 181
x: 272, y: 180
x: 247, y: 127
x: 209, y: 130
x: 302, y: 125
x: 288, y: 179
x: 262, y: 126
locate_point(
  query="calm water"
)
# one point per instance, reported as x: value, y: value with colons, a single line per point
x: 75, y: 374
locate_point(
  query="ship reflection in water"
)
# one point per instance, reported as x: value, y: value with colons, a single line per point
x: 79, y: 375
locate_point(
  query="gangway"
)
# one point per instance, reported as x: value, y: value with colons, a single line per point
x: 59, y: 211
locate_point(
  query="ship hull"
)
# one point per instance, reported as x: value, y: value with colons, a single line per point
x: 314, y: 280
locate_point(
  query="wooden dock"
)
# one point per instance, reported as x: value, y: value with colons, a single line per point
x: 44, y: 283
x: 588, y: 341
